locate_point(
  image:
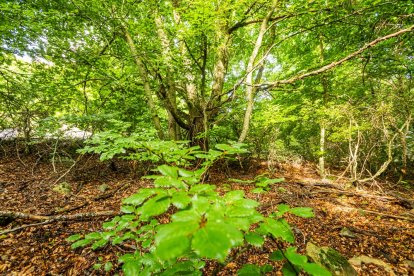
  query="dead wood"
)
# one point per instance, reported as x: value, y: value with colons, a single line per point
x: 379, y: 213
x: 50, y: 219
x: 96, y: 198
x: 397, y: 199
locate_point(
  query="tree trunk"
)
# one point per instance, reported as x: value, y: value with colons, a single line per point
x: 324, y: 82
x: 250, y: 91
x: 171, y: 96
x: 147, y: 88
x: 322, y: 153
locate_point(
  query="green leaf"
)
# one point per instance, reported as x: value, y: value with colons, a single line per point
x: 200, y: 204
x: 182, y: 268
x: 131, y: 268
x: 236, y: 211
x: 73, y: 238
x: 276, y: 256
x: 93, y: 236
x: 224, y: 147
x: 295, y: 258
x: 264, y: 181
x: 108, y: 266
x: 202, y: 188
x: 316, y: 270
x: 175, y: 229
x: 154, y: 207
x: 108, y: 235
x: 168, y: 170
x: 186, y: 215
x: 239, y: 223
x: 99, y: 243
x: 215, y: 240
x: 172, y: 247
x: 288, y: 270
x: 147, y: 243
x: 168, y: 181
x: 254, y: 239
x: 304, y: 212
x: 185, y: 173
x: 258, y: 190
x: 283, y: 208
x: 278, y: 228
x: 180, y: 200
x: 246, y: 203
x: 249, y: 270
x: 266, y: 268
x: 80, y: 243
x: 108, y: 225
x: 127, y: 209
x: 138, y: 198
x: 233, y: 196
x: 172, y: 239
x: 241, y: 181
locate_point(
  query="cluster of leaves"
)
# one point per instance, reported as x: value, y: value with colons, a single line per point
x: 261, y: 182
x: 142, y: 146
x: 202, y: 223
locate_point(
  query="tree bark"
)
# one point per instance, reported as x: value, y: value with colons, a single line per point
x: 324, y: 82
x: 171, y: 95
x: 250, y: 89
x: 147, y: 89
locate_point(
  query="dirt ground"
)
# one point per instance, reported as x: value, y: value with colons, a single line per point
x: 376, y: 213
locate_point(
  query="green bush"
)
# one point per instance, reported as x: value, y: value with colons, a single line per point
x: 202, y: 223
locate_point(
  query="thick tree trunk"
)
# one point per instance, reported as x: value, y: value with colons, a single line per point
x: 171, y: 96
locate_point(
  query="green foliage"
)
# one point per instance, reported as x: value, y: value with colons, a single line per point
x: 296, y: 262
x: 261, y: 182
x: 142, y: 146
x: 202, y: 224
x: 254, y: 270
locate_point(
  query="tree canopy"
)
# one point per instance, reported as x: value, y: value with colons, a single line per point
x: 211, y: 71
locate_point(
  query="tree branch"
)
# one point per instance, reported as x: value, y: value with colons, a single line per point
x: 49, y: 219
x: 335, y: 63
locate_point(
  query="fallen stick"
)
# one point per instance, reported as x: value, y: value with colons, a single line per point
x: 49, y: 219
x: 376, y: 213
x: 96, y: 198
x: 400, y: 200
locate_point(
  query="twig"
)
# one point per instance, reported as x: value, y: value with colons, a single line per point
x: 63, y: 175
x: 96, y: 198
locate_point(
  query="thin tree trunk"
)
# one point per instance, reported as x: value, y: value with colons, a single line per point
x: 147, y: 89
x: 322, y: 153
x: 250, y: 91
x: 324, y: 82
x: 389, y: 151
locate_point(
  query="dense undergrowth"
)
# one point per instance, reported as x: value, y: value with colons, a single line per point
x: 182, y: 221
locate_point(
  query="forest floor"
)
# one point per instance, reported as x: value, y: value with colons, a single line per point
x: 377, y: 215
